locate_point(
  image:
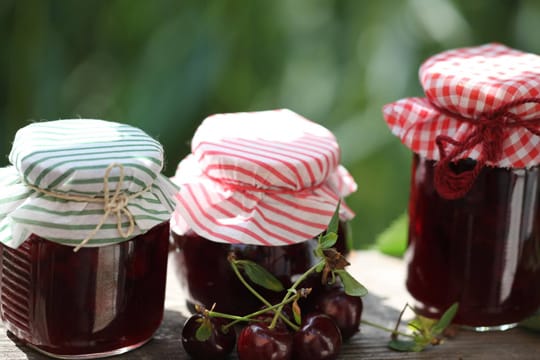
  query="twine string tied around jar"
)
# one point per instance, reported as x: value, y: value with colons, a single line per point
x: 114, y: 203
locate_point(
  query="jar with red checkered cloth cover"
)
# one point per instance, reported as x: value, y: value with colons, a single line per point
x: 262, y: 185
x: 474, y: 208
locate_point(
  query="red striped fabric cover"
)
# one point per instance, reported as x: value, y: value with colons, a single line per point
x: 471, y: 82
x: 264, y: 178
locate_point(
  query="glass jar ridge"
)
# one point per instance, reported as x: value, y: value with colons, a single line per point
x: 93, y: 303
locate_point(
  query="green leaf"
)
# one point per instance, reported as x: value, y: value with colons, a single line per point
x: 422, y: 324
x: 532, y: 322
x: 260, y: 275
x: 405, y: 345
x: 445, y: 320
x: 318, y: 252
x: 328, y: 240
x: 334, y: 221
x: 204, y: 332
x: 320, y: 267
x: 352, y: 287
x: 393, y: 240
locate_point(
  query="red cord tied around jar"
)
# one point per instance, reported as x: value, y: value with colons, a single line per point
x: 490, y: 130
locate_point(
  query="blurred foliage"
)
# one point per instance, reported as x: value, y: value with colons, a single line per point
x: 164, y: 65
x: 393, y: 240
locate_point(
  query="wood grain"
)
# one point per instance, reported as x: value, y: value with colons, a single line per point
x: 384, y: 277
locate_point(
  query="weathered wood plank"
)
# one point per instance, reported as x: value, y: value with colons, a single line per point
x: 384, y: 277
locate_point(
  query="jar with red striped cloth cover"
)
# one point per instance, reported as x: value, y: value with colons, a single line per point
x: 262, y: 185
x: 474, y: 208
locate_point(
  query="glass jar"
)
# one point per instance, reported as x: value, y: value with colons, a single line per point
x: 84, y: 238
x: 92, y: 303
x: 206, y: 284
x: 263, y: 185
x: 481, y: 250
x: 474, y: 237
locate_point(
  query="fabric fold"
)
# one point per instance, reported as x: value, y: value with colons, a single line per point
x: 264, y: 178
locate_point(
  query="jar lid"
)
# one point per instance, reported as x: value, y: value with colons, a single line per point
x: 264, y: 178
x: 472, y: 82
x: 481, y: 103
x: 72, y: 178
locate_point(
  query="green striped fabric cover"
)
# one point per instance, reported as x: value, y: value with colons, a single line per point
x: 71, y: 156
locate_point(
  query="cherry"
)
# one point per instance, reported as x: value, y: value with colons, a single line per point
x: 258, y: 342
x: 318, y: 338
x: 218, y: 346
x: 344, y: 309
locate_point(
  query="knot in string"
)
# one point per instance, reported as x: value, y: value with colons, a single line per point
x: 117, y: 204
x: 489, y: 131
x: 114, y: 203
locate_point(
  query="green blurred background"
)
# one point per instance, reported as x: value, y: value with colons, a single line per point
x: 164, y: 65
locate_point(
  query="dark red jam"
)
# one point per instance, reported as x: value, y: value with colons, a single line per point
x: 98, y: 301
x: 207, y: 276
x: 482, y: 250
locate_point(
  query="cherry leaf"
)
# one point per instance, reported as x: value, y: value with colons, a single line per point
x: 328, y: 240
x: 334, y: 221
x: 532, y: 322
x: 260, y: 275
x: 445, y: 320
x: 204, y: 332
x: 351, y: 285
x: 405, y: 345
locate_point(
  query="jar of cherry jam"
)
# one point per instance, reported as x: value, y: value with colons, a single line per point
x: 84, y: 238
x: 474, y: 201
x: 261, y: 185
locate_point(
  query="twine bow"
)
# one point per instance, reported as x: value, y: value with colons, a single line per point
x: 115, y: 203
x: 489, y: 131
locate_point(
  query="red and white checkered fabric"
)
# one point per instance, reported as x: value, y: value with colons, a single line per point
x: 264, y: 178
x: 471, y: 82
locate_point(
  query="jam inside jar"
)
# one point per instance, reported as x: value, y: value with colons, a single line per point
x: 482, y: 250
x: 96, y: 302
x: 207, y: 277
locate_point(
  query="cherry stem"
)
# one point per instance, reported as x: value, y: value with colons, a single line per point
x: 291, y: 291
x: 226, y: 316
x: 395, y: 333
x: 380, y: 327
x: 249, y: 317
x: 261, y: 298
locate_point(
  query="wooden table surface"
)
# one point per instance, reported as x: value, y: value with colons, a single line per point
x: 384, y: 277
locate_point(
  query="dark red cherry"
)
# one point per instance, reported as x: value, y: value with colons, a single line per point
x: 257, y: 342
x: 346, y: 310
x: 318, y: 339
x: 218, y: 346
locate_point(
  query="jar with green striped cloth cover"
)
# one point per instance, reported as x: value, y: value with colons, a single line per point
x: 61, y: 171
x: 84, y: 238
